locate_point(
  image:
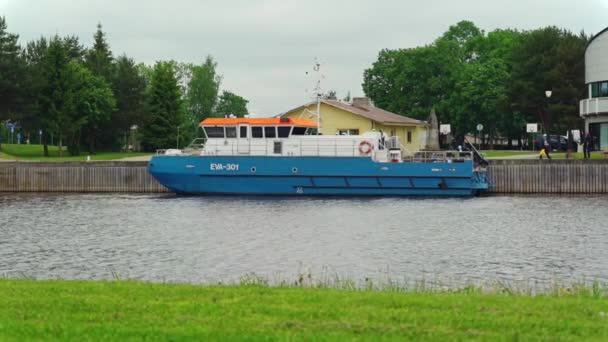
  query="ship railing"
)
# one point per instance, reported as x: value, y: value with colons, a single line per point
x: 196, y: 146
x: 440, y: 156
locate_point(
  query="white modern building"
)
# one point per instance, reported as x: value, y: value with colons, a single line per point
x: 594, y: 109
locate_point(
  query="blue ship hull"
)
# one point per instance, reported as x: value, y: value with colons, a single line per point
x: 263, y: 175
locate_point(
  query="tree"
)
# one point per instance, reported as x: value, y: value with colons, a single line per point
x: 12, y: 74
x: 163, y: 107
x: 99, y: 60
x: 71, y: 96
x: 202, y: 90
x: 129, y: 89
x: 35, y: 54
x: 549, y: 59
x: 347, y: 98
x: 231, y: 103
x: 89, y: 100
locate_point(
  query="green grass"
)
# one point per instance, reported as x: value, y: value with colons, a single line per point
x: 556, y: 155
x: 35, y: 152
x: 124, y: 310
x: 502, y: 153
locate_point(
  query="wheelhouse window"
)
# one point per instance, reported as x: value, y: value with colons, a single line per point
x: 230, y: 132
x: 298, y: 131
x: 257, y: 132
x: 243, y: 132
x: 284, y: 131
x: 214, y: 132
x: 270, y: 132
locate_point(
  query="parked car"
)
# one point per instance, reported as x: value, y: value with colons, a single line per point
x: 560, y: 143
x: 556, y: 142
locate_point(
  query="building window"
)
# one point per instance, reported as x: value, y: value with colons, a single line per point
x: 595, y: 90
x: 351, y: 131
x: 599, y: 89
x: 604, y: 89
x: 409, y: 136
x: 256, y: 132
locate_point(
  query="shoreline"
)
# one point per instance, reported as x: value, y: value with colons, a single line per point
x: 532, y: 176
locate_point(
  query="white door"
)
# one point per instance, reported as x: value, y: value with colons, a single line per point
x: 243, y: 142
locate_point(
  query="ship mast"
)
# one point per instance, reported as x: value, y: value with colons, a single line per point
x: 317, y: 92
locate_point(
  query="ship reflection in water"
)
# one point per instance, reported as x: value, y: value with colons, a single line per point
x: 207, y: 239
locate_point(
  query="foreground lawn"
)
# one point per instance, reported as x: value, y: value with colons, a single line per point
x: 78, y: 310
x: 35, y: 152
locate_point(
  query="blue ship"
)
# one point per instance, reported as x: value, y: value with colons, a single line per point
x: 284, y: 156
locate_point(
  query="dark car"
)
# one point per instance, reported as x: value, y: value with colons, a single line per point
x: 560, y: 143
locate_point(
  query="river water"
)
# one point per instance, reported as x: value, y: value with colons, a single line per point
x: 535, y: 240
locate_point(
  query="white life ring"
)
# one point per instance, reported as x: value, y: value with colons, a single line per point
x: 365, y: 147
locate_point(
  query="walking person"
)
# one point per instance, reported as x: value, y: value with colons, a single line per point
x: 545, y: 148
x: 587, y: 145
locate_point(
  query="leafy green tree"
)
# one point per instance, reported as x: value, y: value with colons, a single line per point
x: 89, y: 100
x: 231, y: 103
x: 202, y: 90
x: 163, y: 107
x: 71, y: 95
x: 549, y: 59
x: 12, y: 74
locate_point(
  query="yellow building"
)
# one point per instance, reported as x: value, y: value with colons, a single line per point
x: 361, y: 116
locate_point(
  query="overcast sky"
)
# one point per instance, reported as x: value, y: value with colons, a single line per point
x: 264, y: 47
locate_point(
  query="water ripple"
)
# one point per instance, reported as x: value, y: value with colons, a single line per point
x: 191, y: 239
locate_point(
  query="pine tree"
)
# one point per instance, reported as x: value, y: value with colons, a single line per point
x: 129, y: 88
x: 99, y: 59
x: 100, y: 62
x: 12, y: 74
x: 164, y: 108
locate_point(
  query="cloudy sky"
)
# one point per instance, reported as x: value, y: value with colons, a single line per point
x: 265, y: 47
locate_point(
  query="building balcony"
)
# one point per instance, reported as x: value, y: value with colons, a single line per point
x: 594, y: 106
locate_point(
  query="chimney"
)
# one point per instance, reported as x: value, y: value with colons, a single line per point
x: 361, y: 102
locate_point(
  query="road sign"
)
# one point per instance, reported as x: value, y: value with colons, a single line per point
x: 532, y: 128
x: 480, y: 127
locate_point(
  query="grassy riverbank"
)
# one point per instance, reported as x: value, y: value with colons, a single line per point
x: 77, y: 310
x: 35, y: 152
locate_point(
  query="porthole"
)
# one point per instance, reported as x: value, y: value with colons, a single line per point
x: 253, y: 169
x: 294, y: 170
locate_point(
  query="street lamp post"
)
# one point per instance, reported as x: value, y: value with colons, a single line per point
x: 548, y: 94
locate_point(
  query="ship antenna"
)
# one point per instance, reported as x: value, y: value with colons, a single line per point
x: 317, y: 92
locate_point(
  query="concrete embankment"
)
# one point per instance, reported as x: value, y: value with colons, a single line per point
x: 549, y: 176
x: 107, y: 176
x: 506, y: 176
